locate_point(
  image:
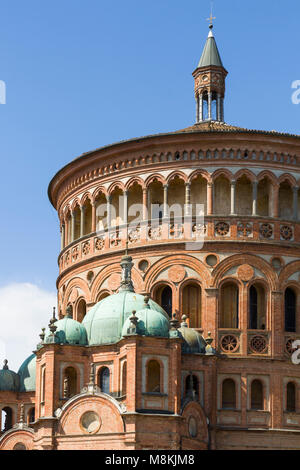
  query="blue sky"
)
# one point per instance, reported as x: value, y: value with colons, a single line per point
x: 82, y: 74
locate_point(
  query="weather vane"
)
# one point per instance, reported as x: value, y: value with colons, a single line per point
x: 211, y: 18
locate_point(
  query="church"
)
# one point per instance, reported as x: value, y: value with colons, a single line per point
x: 172, y: 331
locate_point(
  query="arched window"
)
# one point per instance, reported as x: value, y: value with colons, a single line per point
x: 153, y: 377
x: 31, y: 416
x: 257, y: 395
x: 257, y: 308
x: 291, y: 397
x: 102, y: 296
x: 104, y: 380
x: 191, y: 304
x: 81, y: 310
x: 124, y: 379
x: 290, y: 310
x: 43, y: 384
x: 70, y: 382
x: 229, y: 306
x: 20, y: 446
x: 6, y: 419
x: 228, y: 394
x: 163, y: 297
x: 192, y: 387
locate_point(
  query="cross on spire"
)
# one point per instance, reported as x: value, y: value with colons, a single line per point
x: 211, y: 18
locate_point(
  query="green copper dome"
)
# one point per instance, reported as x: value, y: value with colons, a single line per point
x: 104, y: 322
x: 193, y: 342
x: 27, y: 374
x: 9, y: 380
x: 150, y: 323
x: 69, y: 331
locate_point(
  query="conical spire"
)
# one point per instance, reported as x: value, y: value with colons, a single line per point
x: 210, y: 55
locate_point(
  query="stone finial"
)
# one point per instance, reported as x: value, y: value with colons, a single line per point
x: 5, y: 364
x: 146, y: 300
x: 66, y: 388
x: 43, y: 334
x: 126, y: 265
x: 184, y: 321
x: 22, y: 414
x: 69, y: 311
x: 52, y: 326
x: 174, y: 322
x: 132, y: 330
x: 209, y: 339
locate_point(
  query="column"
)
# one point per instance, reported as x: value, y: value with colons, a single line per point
x: 197, y: 108
x: 108, y: 210
x: 125, y: 215
x: 125, y: 218
x: 62, y: 239
x: 145, y: 204
x: 201, y: 108
x: 210, y: 198
x: 72, y: 226
x: 209, y: 105
x: 295, y: 203
x: 187, y: 208
x: 82, y: 221
x: 219, y: 107
x: 275, y: 199
x: 222, y: 109
x: 254, y: 198
x: 165, y: 209
x: 232, y: 198
x: 188, y: 212
x: 93, y: 217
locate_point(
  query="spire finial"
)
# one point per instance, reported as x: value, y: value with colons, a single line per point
x: 5, y: 364
x: 211, y: 18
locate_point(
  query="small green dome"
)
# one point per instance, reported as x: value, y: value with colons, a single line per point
x: 9, y: 380
x: 193, y: 342
x: 69, y: 331
x: 104, y: 322
x: 151, y: 323
x: 27, y: 373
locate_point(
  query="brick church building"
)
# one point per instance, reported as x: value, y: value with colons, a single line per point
x: 175, y: 331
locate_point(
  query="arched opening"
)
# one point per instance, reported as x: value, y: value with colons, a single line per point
x: 290, y: 301
x: 176, y: 199
x: 101, y: 212
x: 285, y: 201
x: 31, y: 416
x: 6, y: 419
x: 77, y: 218
x: 164, y: 298
x: 102, y: 295
x: 43, y: 384
x: 199, y: 194
x: 135, y: 200
x: 104, y: 380
x: 87, y: 229
x: 222, y: 202
x: 228, y: 395
x: 124, y: 379
x: 70, y: 383
x: 191, y: 304
x: 81, y: 310
x: 263, y: 197
x: 229, y: 317
x: 153, y: 377
x: 155, y: 200
x: 19, y: 446
x: 257, y: 395
x: 291, y: 397
x: 192, y: 387
x: 117, y: 208
x: 257, y: 307
x: 243, y: 196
